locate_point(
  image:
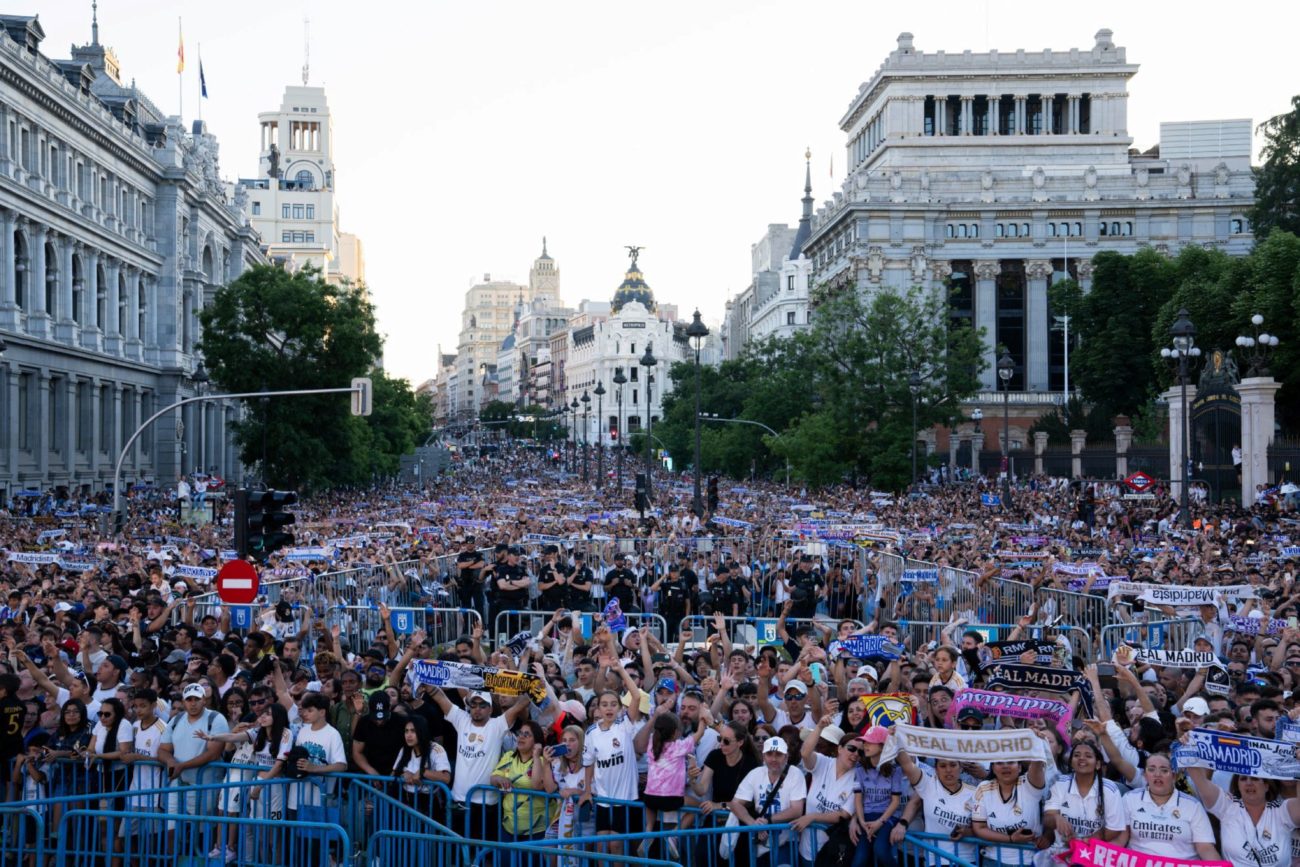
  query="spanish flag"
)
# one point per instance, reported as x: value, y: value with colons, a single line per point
x: 180, y: 48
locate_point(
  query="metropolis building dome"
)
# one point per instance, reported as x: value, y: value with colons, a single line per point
x: 634, y: 287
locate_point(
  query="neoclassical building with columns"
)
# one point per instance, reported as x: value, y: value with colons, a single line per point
x: 116, y: 230
x: 992, y: 175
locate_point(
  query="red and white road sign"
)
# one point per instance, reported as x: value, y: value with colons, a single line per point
x: 237, y: 583
x: 1139, y: 482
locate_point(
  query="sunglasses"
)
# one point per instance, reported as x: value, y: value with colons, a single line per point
x: 727, y: 742
x: 104, y: 713
x: 852, y: 749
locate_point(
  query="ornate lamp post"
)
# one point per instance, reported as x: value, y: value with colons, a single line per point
x: 573, y: 444
x: 648, y: 361
x: 1256, y: 348
x: 586, y: 428
x: 600, y: 434
x: 696, y: 332
x: 201, y: 380
x: 619, y: 381
x: 1006, y: 368
x: 1183, y: 333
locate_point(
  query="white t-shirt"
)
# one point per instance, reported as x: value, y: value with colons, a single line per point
x: 1267, y: 844
x: 614, y: 757
x: 324, y: 747
x: 1102, y: 807
x: 99, y: 737
x: 754, y: 788
x: 1020, y: 811
x: 478, y: 750
x: 1169, y: 830
x: 827, y: 793
x: 147, y: 775
x: 945, y: 811
x: 438, y: 761
x: 101, y: 695
x: 782, y: 719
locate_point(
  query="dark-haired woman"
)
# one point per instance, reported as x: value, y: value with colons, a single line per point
x: 1255, y: 823
x: 420, y: 760
x: 523, y: 817
x: 112, y: 736
x: 1165, y: 822
x: 1083, y: 803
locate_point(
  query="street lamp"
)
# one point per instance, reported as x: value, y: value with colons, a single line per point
x: 1183, y: 333
x: 1006, y: 369
x: 696, y: 332
x: 914, y: 385
x: 619, y: 381
x: 648, y: 361
x: 1260, y: 346
x: 573, y: 442
x: 586, y: 427
x: 600, y: 435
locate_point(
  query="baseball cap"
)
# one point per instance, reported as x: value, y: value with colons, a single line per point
x: 796, y: 686
x: 574, y: 709
x: 1196, y: 705
x: 776, y: 745
x: 667, y: 683
x: 381, y: 705
x: 833, y: 733
x: 479, y: 694
x: 970, y: 713
x: 194, y: 690
x: 868, y: 671
x: 876, y: 735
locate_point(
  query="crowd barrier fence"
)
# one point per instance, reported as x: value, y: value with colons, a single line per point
x: 919, y: 633
x: 511, y: 622
x: 754, y: 631
x: 358, y: 625
x: 1155, y: 635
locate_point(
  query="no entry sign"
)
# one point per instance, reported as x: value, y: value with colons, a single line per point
x: 237, y: 583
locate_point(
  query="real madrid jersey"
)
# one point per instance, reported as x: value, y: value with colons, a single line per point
x: 613, y: 757
x: 1170, y: 829
x: 1101, y: 808
x: 1021, y: 810
x: 829, y: 792
x: 945, y: 811
x: 1266, y: 843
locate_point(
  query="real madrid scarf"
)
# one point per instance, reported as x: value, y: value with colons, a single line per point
x: 1035, y: 677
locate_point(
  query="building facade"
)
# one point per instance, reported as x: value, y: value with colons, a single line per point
x: 292, y: 201
x: 116, y: 230
x: 602, y: 345
x: 990, y: 176
x: 775, y: 303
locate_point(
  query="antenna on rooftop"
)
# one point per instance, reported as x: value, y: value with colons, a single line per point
x: 306, y: 49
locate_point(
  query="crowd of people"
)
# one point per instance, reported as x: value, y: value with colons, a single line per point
x: 759, y: 666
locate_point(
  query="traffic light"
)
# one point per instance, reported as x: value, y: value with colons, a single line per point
x: 713, y: 494
x: 259, y: 522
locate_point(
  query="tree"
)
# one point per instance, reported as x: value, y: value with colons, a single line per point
x: 272, y: 329
x: 1277, y: 181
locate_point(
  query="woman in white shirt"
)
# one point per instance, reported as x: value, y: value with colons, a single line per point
x: 1007, y: 809
x: 420, y: 760
x: 1255, y: 823
x: 833, y: 793
x: 567, y: 775
x: 112, y: 737
x: 946, y: 801
x: 1165, y: 822
x: 1083, y: 804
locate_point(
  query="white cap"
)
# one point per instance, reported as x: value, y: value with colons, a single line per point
x: 1196, y: 705
x: 194, y: 690
x: 481, y: 695
x: 62, y: 606
x: 868, y: 671
x: 313, y: 686
x: 776, y: 745
x: 796, y: 685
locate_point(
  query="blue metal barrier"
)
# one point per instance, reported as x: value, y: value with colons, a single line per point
x: 89, y: 836
x: 919, y: 849
x: 22, y: 834
x: 428, y: 850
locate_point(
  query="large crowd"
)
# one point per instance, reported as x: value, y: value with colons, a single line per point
x: 527, y: 658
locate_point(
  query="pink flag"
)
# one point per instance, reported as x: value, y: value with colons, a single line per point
x: 1095, y: 853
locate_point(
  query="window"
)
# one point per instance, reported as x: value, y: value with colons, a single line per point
x: 311, y: 212
x: 297, y: 212
x: 635, y: 371
x: 1024, y: 230
x: 975, y: 230
x: 961, y: 230
x: 284, y: 212
x: 1051, y: 230
x: 311, y: 237
x: 1237, y: 226
x: 634, y: 392
x: 999, y: 230
x: 257, y: 209
x: 1114, y: 228
x: 789, y: 280
x: 298, y: 238
x: 1065, y: 230
x: 789, y: 317
x: 286, y: 237
x: 1128, y: 229
x: 306, y: 180
x: 948, y: 231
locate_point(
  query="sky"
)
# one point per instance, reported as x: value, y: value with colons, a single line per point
x: 465, y: 132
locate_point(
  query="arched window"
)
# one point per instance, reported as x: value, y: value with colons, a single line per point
x: 51, y: 280
x: 142, y: 330
x: 1051, y: 230
x: 1078, y: 230
x: 101, y: 300
x: 961, y: 230
x: 948, y: 232
x: 122, y: 300
x: 20, y: 269
x: 999, y: 230
x: 1236, y: 227
x: 1065, y: 230
x: 1128, y: 229
x: 1024, y: 230
x: 1101, y: 229
x: 306, y: 180
x: 974, y: 230
x: 1114, y: 228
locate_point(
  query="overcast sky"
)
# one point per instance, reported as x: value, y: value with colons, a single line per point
x: 466, y: 131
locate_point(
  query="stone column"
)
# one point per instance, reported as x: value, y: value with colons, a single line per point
x: 1038, y: 272
x: 1022, y: 103
x: 1123, y: 439
x: 1045, y: 106
x: 65, y: 323
x: 1077, y: 439
x: 954, y: 443
x: 38, y: 318
x: 15, y: 409
x: 137, y: 458
x: 1040, y: 446
x: 986, y: 317
x: 8, y: 270
x: 1084, y: 267
x: 976, y: 446
x: 995, y: 115
x: 1173, y: 396
x: 112, y: 274
x: 1257, y: 418
x: 115, y: 436
x: 96, y: 445
x: 40, y: 441
x: 72, y: 423
x: 90, y: 297
x: 968, y: 115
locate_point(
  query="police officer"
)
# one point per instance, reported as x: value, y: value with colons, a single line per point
x: 552, y: 581
x: 620, y: 582
x: 674, y: 594
x: 581, y: 582
x: 512, y: 581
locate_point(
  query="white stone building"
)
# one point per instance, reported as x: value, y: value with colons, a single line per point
x: 116, y: 230
x: 989, y: 176
x: 600, y: 347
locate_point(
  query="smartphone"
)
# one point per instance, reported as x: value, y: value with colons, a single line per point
x: 1106, y: 676
x: 1292, y: 622
x: 818, y: 672
x: 559, y: 750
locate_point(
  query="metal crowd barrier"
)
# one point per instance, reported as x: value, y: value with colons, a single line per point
x: 919, y: 633
x: 512, y: 622
x: 429, y: 850
x: 358, y: 625
x: 1156, y: 635
x: 754, y: 631
x: 1078, y: 609
x: 920, y: 849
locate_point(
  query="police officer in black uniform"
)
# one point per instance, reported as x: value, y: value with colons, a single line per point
x: 512, y: 581
x: 552, y: 581
x: 675, y: 593
x: 580, y: 584
x: 620, y: 582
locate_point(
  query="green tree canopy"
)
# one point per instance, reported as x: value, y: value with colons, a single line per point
x: 274, y: 330
x: 1277, y: 181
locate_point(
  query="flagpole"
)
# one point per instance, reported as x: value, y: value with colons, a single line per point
x: 180, y: 71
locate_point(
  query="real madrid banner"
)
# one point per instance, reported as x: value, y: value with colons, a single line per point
x: 1239, y: 754
x: 1176, y: 658
x: 1004, y: 745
